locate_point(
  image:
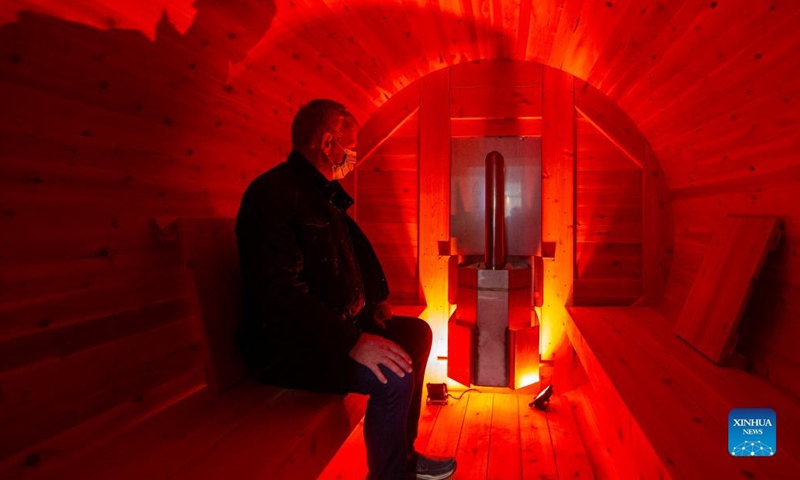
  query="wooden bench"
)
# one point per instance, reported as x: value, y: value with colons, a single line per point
x: 236, y: 427
x: 661, y: 406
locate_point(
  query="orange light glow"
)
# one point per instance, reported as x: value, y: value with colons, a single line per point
x: 526, y: 379
x: 436, y: 370
x: 549, y: 334
x: 454, y: 385
x: 436, y: 313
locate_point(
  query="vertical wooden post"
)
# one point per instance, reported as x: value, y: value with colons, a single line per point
x: 657, y: 233
x: 558, y: 205
x: 434, y: 201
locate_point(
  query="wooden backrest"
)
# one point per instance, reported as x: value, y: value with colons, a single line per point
x: 208, y: 250
x: 710, y: 317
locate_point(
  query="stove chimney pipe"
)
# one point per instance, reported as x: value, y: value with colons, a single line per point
x: 494, y: 228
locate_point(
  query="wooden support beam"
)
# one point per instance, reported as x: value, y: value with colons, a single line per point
x: 434, y: 200
x: 558, y: 205
x: 390, y: 117
x: 657, y: 230
x: 632, y: 154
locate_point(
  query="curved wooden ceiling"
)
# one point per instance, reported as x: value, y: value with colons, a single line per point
x: 712, y: 84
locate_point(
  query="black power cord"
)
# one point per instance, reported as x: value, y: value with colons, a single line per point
x: 462, y: 393
x: 437, y: 393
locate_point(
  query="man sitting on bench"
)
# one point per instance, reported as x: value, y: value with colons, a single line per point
x: 315, y: 310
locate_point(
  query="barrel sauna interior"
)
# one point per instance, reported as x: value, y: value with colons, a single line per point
x: 658, y: 120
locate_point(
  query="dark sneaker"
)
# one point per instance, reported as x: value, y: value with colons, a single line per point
x: 428, y: 468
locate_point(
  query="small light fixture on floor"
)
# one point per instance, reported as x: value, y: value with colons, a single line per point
x: 543, y: 399
x: 437, y: 394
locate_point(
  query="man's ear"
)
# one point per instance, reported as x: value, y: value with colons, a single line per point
x: 326, y: 142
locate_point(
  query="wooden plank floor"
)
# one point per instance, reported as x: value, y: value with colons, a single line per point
x: 498, y: 436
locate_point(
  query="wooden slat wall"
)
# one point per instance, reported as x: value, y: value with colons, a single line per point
x: 769, y: 332
x: 608, y: 249
x: 387, y: 190
x: 505, y: 98
x: 496, y: 98
x: 729, y: 145
x: 657, y: 237
x: 721, y: 114
x: 713, y: 90
x: 101, y: 132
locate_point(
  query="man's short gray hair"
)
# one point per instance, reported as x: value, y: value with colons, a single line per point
x: 317, y: 116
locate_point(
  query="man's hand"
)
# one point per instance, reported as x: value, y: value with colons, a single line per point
x: 383, y: 312
x: 374, y: 350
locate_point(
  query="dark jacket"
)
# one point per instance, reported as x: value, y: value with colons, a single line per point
x: 308, y: 269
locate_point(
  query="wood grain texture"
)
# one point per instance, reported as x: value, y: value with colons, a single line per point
x: 645, y: 361
x: 47, y: 458
x: 600, y: 454
x: 209, y: 252
x: 87, y: 383
x: 350, y: 460
x: 609, y: 200
x: 710, y: 89
x: 100, y: 135
x: 171, y: 438
x: 189, y: 106
x: 618, y: 128
x: 473, y: 443
x: 434, y: 206
x: 505, y: 460
x: 517, y: 441
x: 386, y: 121
x: 190, y: 435
x: 387, y: 193
x: 710, y: 317
x: 558, y: 205
x: 496, y: 127
x: 443, y: 440
x: 291, y: 424
x: 496, y: 102
x: 570, y: 455
x: 538, y: 461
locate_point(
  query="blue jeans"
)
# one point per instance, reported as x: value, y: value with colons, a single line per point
x: 386, y: 422
x: 393, y: 409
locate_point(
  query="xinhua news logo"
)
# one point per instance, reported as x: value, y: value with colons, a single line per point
x: 751, y: 432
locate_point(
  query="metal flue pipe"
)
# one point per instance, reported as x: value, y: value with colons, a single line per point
x: 494, y: 228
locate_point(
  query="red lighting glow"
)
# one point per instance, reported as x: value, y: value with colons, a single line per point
x: 143, y: 16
